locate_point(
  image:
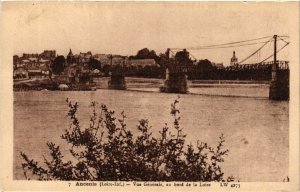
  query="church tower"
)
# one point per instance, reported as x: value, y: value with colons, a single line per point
x: 233, y: 60
x: 70, y: 57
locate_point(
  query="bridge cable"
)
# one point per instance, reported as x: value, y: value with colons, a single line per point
x: 285, y: 36
x: 194, y: 48
x: 173, y: 55
x: 276, y: 52
x: 255, y: 51
x: 241, y: 45
x: 237, y: 42
x: 231, y: 43
x: 193, y: 56
x: 283, y: 40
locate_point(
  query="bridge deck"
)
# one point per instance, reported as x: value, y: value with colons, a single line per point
x: 281, y: 65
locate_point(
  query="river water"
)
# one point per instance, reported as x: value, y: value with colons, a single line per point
x: 255, y: 128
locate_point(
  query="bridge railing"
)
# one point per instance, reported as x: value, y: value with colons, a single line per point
x: 281, y: 64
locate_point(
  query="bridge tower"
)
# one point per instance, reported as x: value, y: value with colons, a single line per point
x: 279, y: 87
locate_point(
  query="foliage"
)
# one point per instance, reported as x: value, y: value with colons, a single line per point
x: 164, y: 58
x: 145, y: 54
x: 205, y: 64
x: 58, y: 64
x: 94, y: 64
x: 107, y: 150
x: 106, y: 69
x: 183, y: 57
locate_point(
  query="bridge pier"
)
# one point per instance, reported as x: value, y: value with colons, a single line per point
x: 279, y: 87
x: 117, y: 76
x: 117, y: 81
x: 175, y: 83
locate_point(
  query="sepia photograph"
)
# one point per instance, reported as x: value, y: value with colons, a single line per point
x: 151, y: 94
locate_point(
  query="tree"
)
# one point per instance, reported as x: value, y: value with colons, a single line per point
x: 204, y: 65
x: 106, y: 69
x: 107, y: 150
x: 58, y: 64
x: 94, y: 64
x: 164, y: 58
x: 145, y: 54
x: 183, y: 57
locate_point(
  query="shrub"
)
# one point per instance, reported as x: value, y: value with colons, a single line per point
x: 106, y: 150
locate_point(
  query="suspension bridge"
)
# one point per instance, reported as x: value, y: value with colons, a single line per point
x: 176, y: 78
x: 176, y: 73
x: 257, y: 54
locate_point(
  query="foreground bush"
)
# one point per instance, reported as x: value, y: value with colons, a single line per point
x: 106, y: 150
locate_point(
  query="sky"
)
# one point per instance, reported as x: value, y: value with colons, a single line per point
x: 125, y: 28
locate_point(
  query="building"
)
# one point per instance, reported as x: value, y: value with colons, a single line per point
x: 85, y: 57
x: 15, y: 59
x: 103, y: 58
x: 233, y: 60
x: 70, y: 57
x: 218, y: 65
x: 108, y: 59
x: 142, y: 62
x: 28, y: 55
x: 118, y: 60
x: 33, y: 65
x: 48, y: 55
x: 20, y: 73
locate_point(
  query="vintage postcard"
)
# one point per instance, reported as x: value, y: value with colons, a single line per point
x: 149, y: 96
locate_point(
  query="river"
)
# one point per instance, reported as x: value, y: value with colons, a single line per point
x: 256, y: 129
